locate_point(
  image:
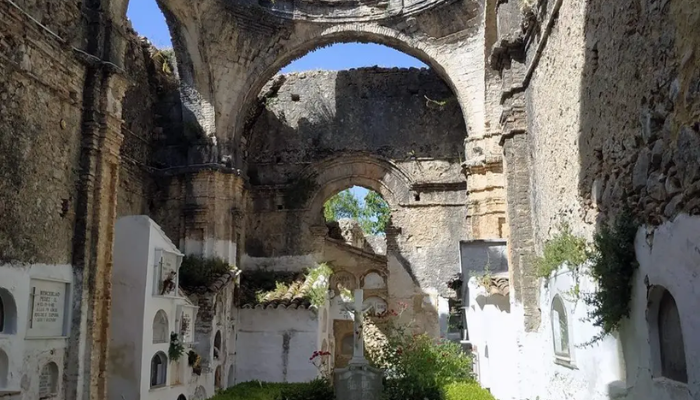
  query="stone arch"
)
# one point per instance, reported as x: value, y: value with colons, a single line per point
x: 160, y: 327
x: 261, y: 73
x: 4, y: 368
x: 8, y: 313
x: 343, y: 172
x: 217, y: 345
x: 159, y: 369
x: 666, y: 336
x: 560, y: 329
x: 48, y: 380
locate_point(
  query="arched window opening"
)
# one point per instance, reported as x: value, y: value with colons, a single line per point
x: 342, y: 56
x: 560, y: 329
x: 48, y: 381
x: 148, y: 20
x: 4, y: 368
x: 159, y: 369
x: 8, y: 313
x: 671, y: 344
x: 181, y: 397
x: 217, y: 345
x: 160, y: 327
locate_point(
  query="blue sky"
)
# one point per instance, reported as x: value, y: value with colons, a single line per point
x: 148, y: 21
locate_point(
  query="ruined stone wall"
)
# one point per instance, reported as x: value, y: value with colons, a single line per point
x: 41, y: 85
x: 398, y: 132
x: 615, y: 114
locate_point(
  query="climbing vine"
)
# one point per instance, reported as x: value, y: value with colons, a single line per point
x: 613, y: 266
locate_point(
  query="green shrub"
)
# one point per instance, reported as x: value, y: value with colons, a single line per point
x: 197, y: 271
x: 416, y: 366
x: 562, y: 248
x: 465, y: 391
x: 318, y: 389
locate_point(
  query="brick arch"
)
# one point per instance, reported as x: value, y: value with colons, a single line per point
x: 343, y: 172
x: 265, y: 70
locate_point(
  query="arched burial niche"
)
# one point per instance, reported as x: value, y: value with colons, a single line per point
x: 217, y: 345
x: 8, y: 313
x: 666, y: 336
x: 4, y: 368
x: 560, y: 330
x: 48, y: 380
x: 181, y: 397
x: 159, y: 369
x: 200, y: 393
x: 160, y: 327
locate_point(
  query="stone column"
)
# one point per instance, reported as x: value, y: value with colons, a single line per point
x: 86, y: 363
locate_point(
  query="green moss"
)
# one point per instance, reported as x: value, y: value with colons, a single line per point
x: 614, y: 265
x: 563, y: 248
x: 197, y: 271
x: 299, y: 192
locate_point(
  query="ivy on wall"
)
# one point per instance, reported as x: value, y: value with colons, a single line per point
x: 197, y: 271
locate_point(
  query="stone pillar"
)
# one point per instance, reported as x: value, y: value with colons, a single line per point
x: 86, y: 363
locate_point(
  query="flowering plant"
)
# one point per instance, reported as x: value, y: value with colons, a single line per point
x: 321, y: 360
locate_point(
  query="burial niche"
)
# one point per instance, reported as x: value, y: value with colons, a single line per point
x: 4, y: 368
x: 181, y: 397
x: 217, y: 378
x: 200, y: 393
x: 671, y: 360
x: 159, y: 369
x: 217, y: 345
x: 160, y: 327
x: 373, y: 280
x: 48, y: 381
x: 560, y: 330
x: 378, y: 304
x: 8, y: 313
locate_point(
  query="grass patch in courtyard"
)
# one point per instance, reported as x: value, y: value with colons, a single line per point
x: 318, y: 389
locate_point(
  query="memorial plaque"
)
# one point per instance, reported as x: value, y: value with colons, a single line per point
x: 378, y: 304
x: 48, y: 380
x: 48, y: 308
x: 343, y: 280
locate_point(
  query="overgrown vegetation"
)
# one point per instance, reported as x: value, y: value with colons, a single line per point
x: 416, y: 366
x: 372, y: 214
x: 319, y: 389
x: 176, y: 348
x: 465, y: 391
x: 563, y: 248
x: 319, y: 277
x: 613, y: 265
x: 197, y: 271
x: 166, y: 59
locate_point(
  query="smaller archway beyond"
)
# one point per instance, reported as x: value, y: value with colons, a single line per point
x: 8, y: 313
x: 160, y: 327
x: 159, y: 369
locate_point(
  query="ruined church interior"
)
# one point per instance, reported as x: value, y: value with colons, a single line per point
x: 182, y: 221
